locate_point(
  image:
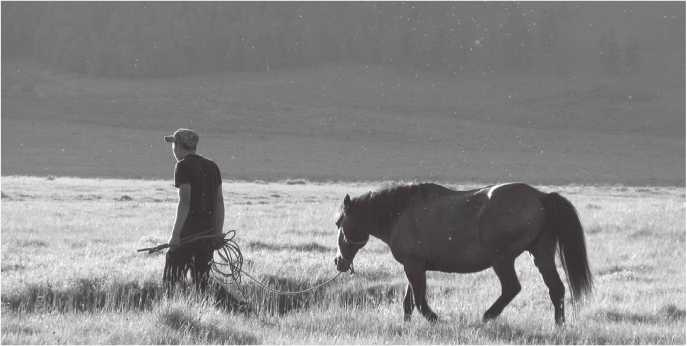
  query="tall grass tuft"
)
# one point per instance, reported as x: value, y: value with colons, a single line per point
x: 85, y: 295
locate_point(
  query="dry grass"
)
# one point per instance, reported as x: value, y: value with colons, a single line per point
x: 70, y: 272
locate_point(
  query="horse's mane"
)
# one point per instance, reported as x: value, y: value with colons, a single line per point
x: 382, y: 207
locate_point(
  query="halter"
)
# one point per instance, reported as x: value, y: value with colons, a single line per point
x: 356, y: 243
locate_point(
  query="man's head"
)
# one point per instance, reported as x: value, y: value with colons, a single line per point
x: 184, y: 142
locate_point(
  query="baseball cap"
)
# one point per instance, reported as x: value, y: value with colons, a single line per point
x: 186, y: 137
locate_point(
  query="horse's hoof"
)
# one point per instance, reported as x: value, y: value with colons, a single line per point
x: 432, y: 317
x: 406, y: 317
x: 488, y: 317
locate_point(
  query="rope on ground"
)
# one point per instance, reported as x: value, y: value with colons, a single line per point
x: 231, y: 264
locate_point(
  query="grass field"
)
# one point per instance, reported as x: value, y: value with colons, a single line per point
x: 70, y: 272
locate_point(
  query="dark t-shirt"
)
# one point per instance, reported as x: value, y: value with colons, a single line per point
x: 205, y: 178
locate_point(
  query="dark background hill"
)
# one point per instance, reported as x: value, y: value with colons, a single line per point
x: 176, y: 38
x: 541, y: 92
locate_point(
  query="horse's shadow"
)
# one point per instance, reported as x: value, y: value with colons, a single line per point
x: 495, y: 331
x: 502, y: 331
x: 229, y: 301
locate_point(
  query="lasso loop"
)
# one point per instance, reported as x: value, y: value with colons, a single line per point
x: 230, y: 265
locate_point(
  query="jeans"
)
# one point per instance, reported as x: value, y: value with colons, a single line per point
x: 195, y: 257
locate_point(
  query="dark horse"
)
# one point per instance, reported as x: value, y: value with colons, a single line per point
x: 430, y: 227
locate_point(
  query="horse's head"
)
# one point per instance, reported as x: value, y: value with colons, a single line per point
x: 353, y: 234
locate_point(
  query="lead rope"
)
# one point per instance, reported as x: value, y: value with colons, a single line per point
x: 231, y: 266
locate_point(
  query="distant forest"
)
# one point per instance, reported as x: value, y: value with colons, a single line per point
x: 134, y: 39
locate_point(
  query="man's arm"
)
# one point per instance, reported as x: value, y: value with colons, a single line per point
x: 219, y: 211
x: 182, y: 213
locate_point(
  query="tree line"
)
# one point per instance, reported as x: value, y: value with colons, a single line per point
x: 177, y: 38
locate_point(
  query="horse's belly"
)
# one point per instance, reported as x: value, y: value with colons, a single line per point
x: 446, y: 252
x: 455, y: 248
x: 460, y: 267
x: 460, y: 259
x: 444, y: 236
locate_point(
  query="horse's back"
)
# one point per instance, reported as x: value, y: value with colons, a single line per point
x: 512, y: 217
x: 442, y: 229
x: 463, y: 231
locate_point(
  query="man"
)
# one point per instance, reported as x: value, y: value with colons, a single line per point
x: 200, y: 212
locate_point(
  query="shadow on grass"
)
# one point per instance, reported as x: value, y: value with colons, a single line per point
x: 668, y: 313
x: 308, y: 231
x: 11, y: 267
x: 372, y: 295
x: 90, y: 295
x: 94, y: 295
x: 17, y: 328
x: 266, y: 301
x: 36, y: 243
x: 84, y: 295
x: 184, y: 320
x: 376, y: 275
x: 502, y: 332
x: 269, y: 302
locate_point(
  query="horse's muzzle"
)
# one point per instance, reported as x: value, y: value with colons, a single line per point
x: 342, y: 264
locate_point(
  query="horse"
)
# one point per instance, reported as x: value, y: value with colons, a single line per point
x: 429, y: 227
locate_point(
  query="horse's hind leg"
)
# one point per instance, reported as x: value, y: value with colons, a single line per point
x: 510, y: 286
x: 408, y: 304
x: 418, y: 280
x: 544, y: 253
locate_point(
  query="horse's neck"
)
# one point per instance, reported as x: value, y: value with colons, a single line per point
x: 381, y: 234
x: 381, y: 222
x: 389, y: 211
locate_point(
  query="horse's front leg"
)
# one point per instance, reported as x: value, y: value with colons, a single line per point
x: 408, y: 303
x: 418, y: 280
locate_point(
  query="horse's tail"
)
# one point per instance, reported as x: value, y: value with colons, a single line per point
x: 563, y: 221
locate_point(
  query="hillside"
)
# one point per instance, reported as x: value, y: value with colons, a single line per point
x: 350, y: 123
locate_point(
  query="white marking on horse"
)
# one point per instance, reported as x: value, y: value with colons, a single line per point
x: 493, y: 188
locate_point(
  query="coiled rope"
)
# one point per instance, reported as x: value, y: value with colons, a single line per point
x: 230, y: 267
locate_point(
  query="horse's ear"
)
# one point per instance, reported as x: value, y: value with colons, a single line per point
x: 347, y: 202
